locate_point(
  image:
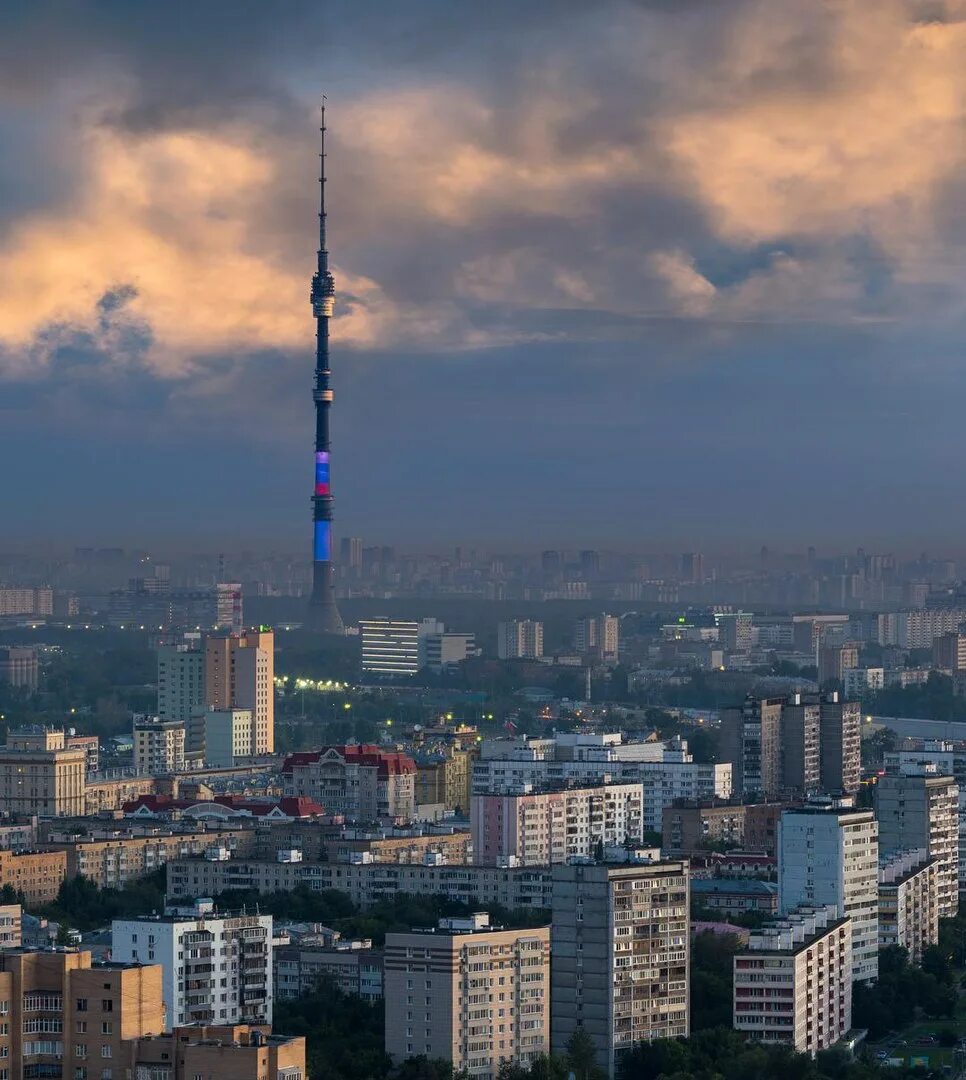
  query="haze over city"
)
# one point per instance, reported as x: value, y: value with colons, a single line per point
x: 621, y: 274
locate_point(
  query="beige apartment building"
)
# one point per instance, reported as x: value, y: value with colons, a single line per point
x: 66, y: 1017
x: 620, y: 955
x: 112, y: 863
x: 468, y: 993
x: 794, y: 984
x: 40, y: 775
x: 35, y: 874
x: 158, y: 746
x: 11, y: 924
x: 232, y: 1052
x: 239, y: 673
x: 909, y: 902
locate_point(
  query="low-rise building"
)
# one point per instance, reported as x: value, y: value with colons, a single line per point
x: 793, y: 985
x: 909, y: 902
x: 230, y: 1052
x: 735, y: 895
x: 469, y: 993
x: 112, y: 862
x: 303, y: 961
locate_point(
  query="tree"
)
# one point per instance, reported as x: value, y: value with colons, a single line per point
x: 581, y: 1053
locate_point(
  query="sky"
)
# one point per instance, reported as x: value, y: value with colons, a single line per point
x: 622, y: 274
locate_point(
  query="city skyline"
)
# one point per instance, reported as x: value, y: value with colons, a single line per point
x: 718, y: 309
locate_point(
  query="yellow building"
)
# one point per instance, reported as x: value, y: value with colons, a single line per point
x: 234, y: 1052
x: 40, y: 775
x: 35, y: 874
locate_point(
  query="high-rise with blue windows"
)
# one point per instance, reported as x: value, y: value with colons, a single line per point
x: 323, y: 613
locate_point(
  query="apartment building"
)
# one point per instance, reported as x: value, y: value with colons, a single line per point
x: 364, y: 783
x: 689, y: 827
x: 828, y: 854
x: 239, y: 673
x: 366, y: 882
x: 550, y: 827
x: 73, y: 1018
x: 232, y: 1052
x: 216, y: 968
x: 667, y: 770
x: 181, y: 682
x: 909, y: 902
x: 620, y: 955
x: 302, y: 963
x: 793, y: 984
x: 453, y: 848
x: 841, y: 743
x: 468, y: 993
x: 158, y: 746
x: 36, y: 874
x: 920, y: 809
x: 801, y: 757
x: 444, y: 779
x: 519, y: 639
x: 751, y: 742
x: 112, y: 863
x: 40, y: 776
x: 11, y: 926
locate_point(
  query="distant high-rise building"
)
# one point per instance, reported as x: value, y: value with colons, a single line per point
x: 239, y: 673
x: 828, y: 853
x: 520, y: 639
x: 445, y: 650
x: 751, y: 741
x: 841, y: 743
x: 598, y: 636
x: 483, y: 995
x: 181, y: 682
x: 350, y: 552
x: 228, y: 604
x: 736, y: 631
x: 835, y: 660
x: 949, y: 652
x: 590, y: 565
x: 919, y: 809
x: 692, y: 567
x: 616, y: 931
x: 909, y: 902
x: 394, y: 647
x: 800, y: 744
x: 550, y: 564
x: 19, y: 666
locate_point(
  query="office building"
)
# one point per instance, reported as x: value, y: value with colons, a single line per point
x: 66, y: 1016
x: 40, y: 776
x: 620, y: 956
x: 158, y: 746
x: 392, y: 647
x: 229, y: 737
x: 736, y: 631
x: 217, y: 969
x: 363, y: 782
x: 800, y: 745
x: 598, y: 637
x: 470, y: 994
x: 223, y: 1052
x: 239, y: 674
x: 445, y: 650
x: 909, y: 902
x: 229, y: 610
x: 920, y: 809
x: 751, y: 742
x: 793, y: 984
x: 949, y: 652
x: 544, y: 828
x: 20, y: 667
x: 828, y: 853
x: 835, y: 660
x: 520, y: 639
x: 841, y: 743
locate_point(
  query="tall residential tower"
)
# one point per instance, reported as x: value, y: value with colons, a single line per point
x: 323, y: 614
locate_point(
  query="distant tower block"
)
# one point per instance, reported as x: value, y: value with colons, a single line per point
x: 323, y: 613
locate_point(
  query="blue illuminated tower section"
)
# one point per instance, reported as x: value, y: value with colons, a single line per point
x: 323, y: 613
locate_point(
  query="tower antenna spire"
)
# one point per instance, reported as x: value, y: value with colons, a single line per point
x: 323, y: 612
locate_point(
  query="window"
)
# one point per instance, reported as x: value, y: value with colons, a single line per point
x: 106, y: 1051
x: 82, y: 1004
x: 107, y: 1028
x: 80, y: 1050
x: 81, y: 1027
x: 107, y: 1005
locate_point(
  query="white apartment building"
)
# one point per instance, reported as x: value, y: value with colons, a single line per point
x: 794, y: 983
x: 620, y: 955
x: 920, y: 809
x: 468, y: 993
x: 829, y: 854
x: 217, y: 969
x: 858, y: 681
x: 917, y: 629
x: 520, y: 639
x: 667, y: 771
x: 909, y: 902
x: 158, y: 746
x: 540, y: 829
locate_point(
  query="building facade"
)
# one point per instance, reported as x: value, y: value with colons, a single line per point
x: 40, y: 776
x: 520, y: 639
x: 217, y: 969
x: 620, y: 955
x: 364, y: 783
x: 909, y: 902
x: 841, y: 742
x: 751, y: 742
x: 829, y: 855
x: 158, y: 746
x: 469, y: 994
x: 232, y: 1052
x: 793, y: 985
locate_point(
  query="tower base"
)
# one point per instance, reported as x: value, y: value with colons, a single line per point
x: 324, y: 618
